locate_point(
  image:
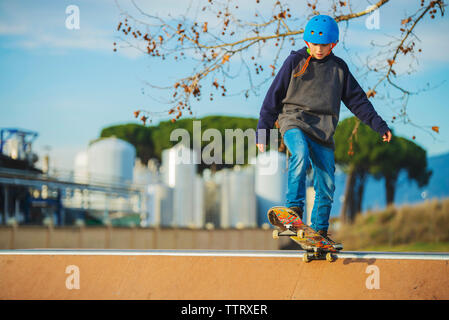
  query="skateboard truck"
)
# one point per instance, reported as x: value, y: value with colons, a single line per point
x: 317, y: 254
x: 310, y: 254
x: 288, y: 233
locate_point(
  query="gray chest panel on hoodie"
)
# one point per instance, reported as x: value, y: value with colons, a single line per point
x: 312, y: 102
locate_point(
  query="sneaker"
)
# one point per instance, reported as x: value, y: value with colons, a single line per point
x: 297, y: 211
x: 324, y: 234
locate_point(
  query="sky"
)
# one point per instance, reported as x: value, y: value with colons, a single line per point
x: 68, y: 84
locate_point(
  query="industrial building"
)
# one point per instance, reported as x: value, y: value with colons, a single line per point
x: 110, y: 186
x: 20, y: 200
x: 40, y: 196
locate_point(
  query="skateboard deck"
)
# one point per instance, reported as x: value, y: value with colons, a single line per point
x: 289, y: 224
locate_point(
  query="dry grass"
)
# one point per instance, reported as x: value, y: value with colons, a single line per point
x: 427, y: 222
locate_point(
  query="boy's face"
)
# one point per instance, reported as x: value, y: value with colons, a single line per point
x: 319, y: 51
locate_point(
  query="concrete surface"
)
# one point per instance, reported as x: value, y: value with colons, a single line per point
x: 203, y: 274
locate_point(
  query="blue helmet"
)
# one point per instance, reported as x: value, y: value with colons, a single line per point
x: 321, y: 29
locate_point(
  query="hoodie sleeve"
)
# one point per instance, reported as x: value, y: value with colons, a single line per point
x: 357, y: 102
x: 272, y: 104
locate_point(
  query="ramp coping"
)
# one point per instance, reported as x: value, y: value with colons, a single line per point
x: 229, y: 253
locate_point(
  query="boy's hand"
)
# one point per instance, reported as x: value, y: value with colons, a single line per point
x: 261, y: 147
x: 387, y: 136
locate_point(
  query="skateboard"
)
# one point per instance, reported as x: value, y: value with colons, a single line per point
x: 289, y: 224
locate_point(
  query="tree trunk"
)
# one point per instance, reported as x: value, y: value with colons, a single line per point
x: 390, y: 188
x: 359, y: 192
x: 355, y: 186
x: 348, y: 196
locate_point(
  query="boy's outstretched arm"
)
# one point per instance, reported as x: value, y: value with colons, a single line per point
x: 272, y: 104
x: 357, y: 101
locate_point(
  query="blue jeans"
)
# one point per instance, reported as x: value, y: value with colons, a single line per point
x: 304, y: 152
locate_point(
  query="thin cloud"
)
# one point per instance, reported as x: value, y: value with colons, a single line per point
x: 12, y: 30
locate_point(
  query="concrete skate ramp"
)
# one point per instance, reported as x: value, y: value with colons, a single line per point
x: 165, y: 274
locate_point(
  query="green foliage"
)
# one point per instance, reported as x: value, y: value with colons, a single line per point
x: 364, y: 144
x: 380, y: 159
x: 366, y: 153
x: 399, y: 154
x: 150, y: 141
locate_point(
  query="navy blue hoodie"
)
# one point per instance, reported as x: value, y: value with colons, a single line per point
x: 311, y: 101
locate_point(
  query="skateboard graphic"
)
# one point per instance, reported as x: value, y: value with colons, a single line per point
x: 289, y: 224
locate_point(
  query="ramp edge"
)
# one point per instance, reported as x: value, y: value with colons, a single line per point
x: 229, y: 253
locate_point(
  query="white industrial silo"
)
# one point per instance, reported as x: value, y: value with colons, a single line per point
x: 212, y: 197
x: 179, y: 172
x: 238, y: 201
x: 81, y: 176
x: 271, y: 183
x: 111, y: 161
x: 159, y: 205
x: 147, y: 178
x: 199, y: 207
x: 143, y: 175
x: 81, y: 167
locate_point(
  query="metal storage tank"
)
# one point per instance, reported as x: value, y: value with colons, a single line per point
x: 81, y: 167
x: 199, y: 207
x: 179, y: 172
x: 111, y: 161
x: 159, y: 205
x: 271, y: 183
x: 80, y: 175
x: 143, y: 175
x: 212, y: 196
x: 238, y: 201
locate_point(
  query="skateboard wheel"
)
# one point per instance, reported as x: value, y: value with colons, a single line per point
x: 275, y: 234
x: 330, y: 257
x: 305, y: 258
x: 301, y: 234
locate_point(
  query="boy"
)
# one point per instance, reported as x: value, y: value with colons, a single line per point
x: 305, y: 98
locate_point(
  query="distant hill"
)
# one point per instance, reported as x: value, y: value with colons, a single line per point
x: 407, y: 191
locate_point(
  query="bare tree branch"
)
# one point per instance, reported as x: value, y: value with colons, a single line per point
x: 217, y: 34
